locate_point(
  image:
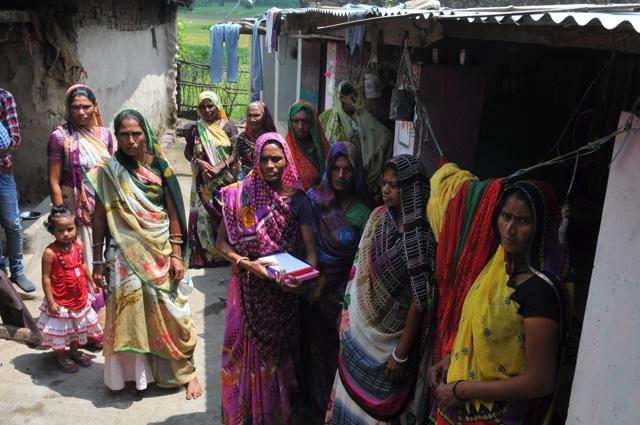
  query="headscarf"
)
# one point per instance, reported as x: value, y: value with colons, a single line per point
x: 339, y: 123
x: 97, y: 118
x: 547, y: 255
x: 310, y: 167
x: 267, y: 120
x: 213, y: 97
x: 417, y: 240
x: 323, y: 194
x: 243, y: 222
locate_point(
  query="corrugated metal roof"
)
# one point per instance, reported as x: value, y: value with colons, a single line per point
x: 608, y: 17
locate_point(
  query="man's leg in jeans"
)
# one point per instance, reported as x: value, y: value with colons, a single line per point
x: 10, y: 221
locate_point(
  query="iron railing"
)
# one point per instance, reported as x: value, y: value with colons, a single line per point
x: 193, y: 78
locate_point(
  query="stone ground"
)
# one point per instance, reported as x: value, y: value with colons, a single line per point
x: 36, y: 392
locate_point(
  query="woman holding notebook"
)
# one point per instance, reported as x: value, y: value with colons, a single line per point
x: 264, y: 214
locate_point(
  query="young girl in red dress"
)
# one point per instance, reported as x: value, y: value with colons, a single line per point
x: 67, y: 319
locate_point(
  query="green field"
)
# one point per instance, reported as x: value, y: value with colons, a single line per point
x: 193, y: 29
x: 193, y: 45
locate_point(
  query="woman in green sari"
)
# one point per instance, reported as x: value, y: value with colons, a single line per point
x: 149, y: 333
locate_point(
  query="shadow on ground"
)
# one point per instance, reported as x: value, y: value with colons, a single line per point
x: 197, y: 418
x: 87, y: 384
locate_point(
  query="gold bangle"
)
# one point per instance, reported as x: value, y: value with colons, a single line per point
x: 176, y: 256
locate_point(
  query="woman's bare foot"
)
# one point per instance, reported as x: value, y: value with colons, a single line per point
x: 194, y: 389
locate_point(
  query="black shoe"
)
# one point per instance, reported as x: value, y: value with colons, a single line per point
x: 25, y: 284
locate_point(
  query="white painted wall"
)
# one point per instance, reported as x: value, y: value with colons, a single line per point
x: 135, y: 75
x: 607, y: 378
x: 281, y: 79
x: 288, y: 83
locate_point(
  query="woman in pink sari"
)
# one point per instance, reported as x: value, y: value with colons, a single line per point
x: 75, y: 148
x: 265, y: 213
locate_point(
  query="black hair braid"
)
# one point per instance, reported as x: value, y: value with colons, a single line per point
x: 59, y: 211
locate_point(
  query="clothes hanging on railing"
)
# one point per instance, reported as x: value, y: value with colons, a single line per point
x: 229, y: 34
x: 256, y: 60
x: 273, y: 29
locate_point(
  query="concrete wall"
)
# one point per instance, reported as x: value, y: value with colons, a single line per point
x: 281, y: 80
x: 127, y: 50
x: 607, y: 377
x: 129, y: 69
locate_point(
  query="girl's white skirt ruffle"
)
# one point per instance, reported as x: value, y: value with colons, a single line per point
x: 59, y: 331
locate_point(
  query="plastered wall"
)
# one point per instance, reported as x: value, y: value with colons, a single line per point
x: 607, y: 377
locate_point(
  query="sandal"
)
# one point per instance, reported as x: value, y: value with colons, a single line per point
x: 67, y: 365
x: 81, y: 359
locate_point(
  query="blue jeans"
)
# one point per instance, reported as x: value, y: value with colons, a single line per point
x: 229, y: 33
x: 10, y: 221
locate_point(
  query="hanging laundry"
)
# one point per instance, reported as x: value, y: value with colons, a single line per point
x: 256, y: 60
x: 354, y: 35
x: 273, y: 29
x: 229, y: 34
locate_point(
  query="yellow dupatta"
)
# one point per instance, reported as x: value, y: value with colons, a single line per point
x: 212, y: 136
x: 214, y: 142
x: 490, y: 340
x: 445, y: 184
x: 95, y: 142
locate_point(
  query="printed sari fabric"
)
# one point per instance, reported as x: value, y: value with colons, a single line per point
x: 489, y: 339
x: 80, y: 150
x: 260, y: 326
x: 245, y: 142
x: 212, y: 144
x: 337, y: 236
x: 392, y: 269
x: 310, y: 164
x: 146, y: 313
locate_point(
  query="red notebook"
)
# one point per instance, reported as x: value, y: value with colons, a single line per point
x: 291, y: 265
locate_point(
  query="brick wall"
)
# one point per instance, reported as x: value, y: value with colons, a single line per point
x: 124, y: 15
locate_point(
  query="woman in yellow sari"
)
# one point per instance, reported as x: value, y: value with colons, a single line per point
x: 499, y: 251
x: 209, y: 150
x: 149, y: 332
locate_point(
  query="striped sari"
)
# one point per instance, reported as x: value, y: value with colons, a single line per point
x: 393, y: 269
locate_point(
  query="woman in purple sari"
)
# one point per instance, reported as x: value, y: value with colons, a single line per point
x: 75, y: 148
x: 265, y: 213
x: 340, y: 213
